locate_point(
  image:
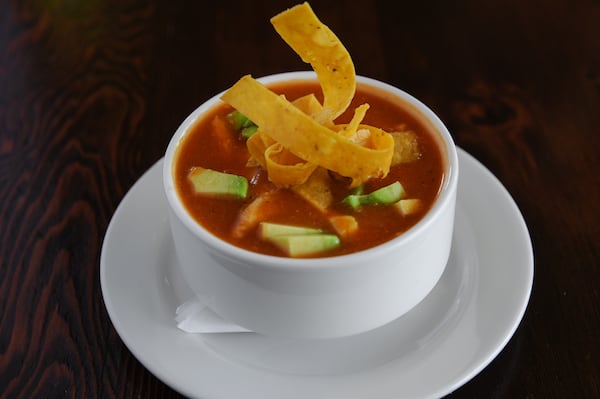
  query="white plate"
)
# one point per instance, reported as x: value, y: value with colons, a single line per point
x: 429, y: 352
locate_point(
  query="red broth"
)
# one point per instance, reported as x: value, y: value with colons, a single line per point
x: 204, y: 146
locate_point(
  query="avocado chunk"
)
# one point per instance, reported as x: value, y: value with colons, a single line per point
x: 268, y: 230
x: 249, y: 131
x: 409, y: 206
x: 305, y: 244
x: 297, y: 240
x: 383, y: 196
x: 212, y: 182
x: 241, y: 123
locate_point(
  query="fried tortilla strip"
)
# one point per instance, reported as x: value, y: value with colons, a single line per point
x: 306, y: 138
x: 256, y: 147
x: 308, y: 104
x: 349, y: 130
x: 317, y: 190
x: 284, y: 168
x: 406, y: 147
x: 317, y: 45
x: 257, y: 144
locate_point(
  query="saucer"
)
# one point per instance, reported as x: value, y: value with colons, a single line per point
x: 439, y: 345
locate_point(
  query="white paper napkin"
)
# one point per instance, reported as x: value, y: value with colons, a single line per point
x: 195, y: 316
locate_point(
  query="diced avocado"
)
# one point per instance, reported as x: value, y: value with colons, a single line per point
x: 305, y: 244
x: 249, y: 131
x: 358, y: 190
x: 383, y: 196
x: 239, y: 120
x: 268, y: 230
x: 242, y: 124
x: 354, y: 201
x: 388, y: 194
x: 408, y: 206
x: 298, y: 240
x: 212, y: 182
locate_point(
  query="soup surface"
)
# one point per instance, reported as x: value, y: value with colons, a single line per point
x: 213, y: 144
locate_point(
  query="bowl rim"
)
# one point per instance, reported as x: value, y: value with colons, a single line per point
x: 445, y: 195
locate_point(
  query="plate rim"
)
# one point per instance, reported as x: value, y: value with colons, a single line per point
x: 464, y: 159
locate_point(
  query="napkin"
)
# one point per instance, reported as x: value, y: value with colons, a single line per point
x: 196, y: 316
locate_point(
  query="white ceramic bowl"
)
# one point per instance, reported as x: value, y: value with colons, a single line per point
x: 323, y: 297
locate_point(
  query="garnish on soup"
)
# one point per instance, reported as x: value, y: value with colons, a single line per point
x: 301, y: 169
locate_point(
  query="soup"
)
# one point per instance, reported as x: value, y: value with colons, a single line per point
x: 213, y: 143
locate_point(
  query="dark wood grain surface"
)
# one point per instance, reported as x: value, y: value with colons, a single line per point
x: 91, y: 91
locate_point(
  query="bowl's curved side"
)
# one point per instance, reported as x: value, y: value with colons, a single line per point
x: 316, y: 298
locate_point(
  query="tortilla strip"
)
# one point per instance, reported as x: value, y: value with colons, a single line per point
x: 256, y: 147
x: 406, y: 147
x: 316, y: 44
x: 308, y: 104
x: 258, y: 143
x: 306, y: 138
x: 350, y: 129
x: 283, y: 174
x: 276, y: 158
x: 316, y: 190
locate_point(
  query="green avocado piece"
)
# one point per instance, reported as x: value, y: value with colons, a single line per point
x: 239, y: 121
x: 212, y: 182
x: 305, y: 244
x: 383, y: 196
x: 409, y: 206
x: 269, y: 230
x: 249, y: 131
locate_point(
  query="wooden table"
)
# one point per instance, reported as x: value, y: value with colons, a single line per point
x: 91, y: 92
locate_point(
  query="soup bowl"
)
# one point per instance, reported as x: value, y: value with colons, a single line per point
x: 324, y: 297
